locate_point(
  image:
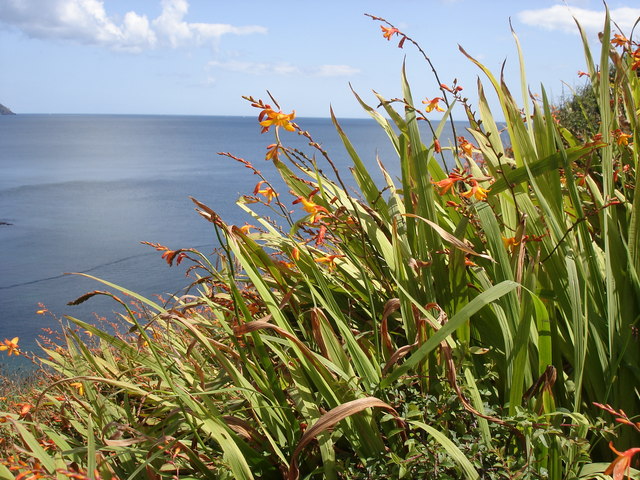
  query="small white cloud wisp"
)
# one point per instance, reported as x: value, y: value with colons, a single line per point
x: 283, y: 68
x: 561, y: 17
x: 87, y: 22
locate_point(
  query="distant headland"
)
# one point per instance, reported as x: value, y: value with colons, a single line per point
x: 5, y: 111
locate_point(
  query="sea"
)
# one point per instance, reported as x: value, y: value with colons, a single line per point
x: 79, y: 193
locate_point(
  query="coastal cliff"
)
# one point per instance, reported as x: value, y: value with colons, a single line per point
x: 5, y: 111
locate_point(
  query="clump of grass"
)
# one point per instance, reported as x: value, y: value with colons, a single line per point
x: 450, y: 323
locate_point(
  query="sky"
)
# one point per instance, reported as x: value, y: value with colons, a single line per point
x: 199, y: 57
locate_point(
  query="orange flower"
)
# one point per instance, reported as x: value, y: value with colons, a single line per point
x: 436, y: 146
x: 268, y: 192
x: 329, y: 260
x: 42, y: 311
x: 24, y: 408
x: 469, y: 263
x: 246, y: 228
x: 636, y: 59
x: 433, y: 104
x: 448, y: 183
x: 276, y: 119
x: 272, y: 151
x: 621, y: 138
x: 465, y: 146
x: 11, y: 346
x: 583, y: 74
x: 619, y: 40
x: 320, y: 235
x: 388, y: 32
x: 510, y: 243
x: 78, y: 386
x: 309, y: 206
x: 475, y: 191
x: 171, y: 255
x: 622, y: 463
x: 295, y: 253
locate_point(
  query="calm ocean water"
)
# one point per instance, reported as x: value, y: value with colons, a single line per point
x: 80, y: 192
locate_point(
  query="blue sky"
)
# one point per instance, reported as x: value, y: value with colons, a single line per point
x: 198, y: 57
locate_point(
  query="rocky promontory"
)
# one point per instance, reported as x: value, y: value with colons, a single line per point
x: 5, y: 111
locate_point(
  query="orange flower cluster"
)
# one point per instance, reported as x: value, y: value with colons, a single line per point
x: 27, y: 471
x: 619, y: 40
x: 475, y: 190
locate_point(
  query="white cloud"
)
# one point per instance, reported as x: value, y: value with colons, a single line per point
x: 560, y: 17
x: 336, y: 71
x: 87, y: 22
x: 259, y: 68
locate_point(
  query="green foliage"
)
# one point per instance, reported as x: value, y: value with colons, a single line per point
x: 446, y: 324
x: 579, y: 112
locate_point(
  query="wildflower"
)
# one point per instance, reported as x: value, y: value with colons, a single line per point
x: 510, y: 243
x: 456, y: 89
x: 295, y: 253
x: 582, y: 74
x: 309, y: 206
x: 622, y: 463
x: 25, y: 408
x: 319, y: 238
x: 469, y: 263
x: 171, y: 255
x: 42, y: 311
x: 11, y: 346
x: 246, y: 228
x: 267, y: 192
x: 619, y: 40
x: 475, y: 191
x: 329, y: 260
x: 78, y: 386
x: 465, y: 146
x: 272, y: 151
x: 433, y: 104
x: 621, y: 137
x: 448, y: 183
x: 388, y: 32
x: 596, y: 141
x: 436, y: 146
x: 270, y: 118
x: 287, y: 265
